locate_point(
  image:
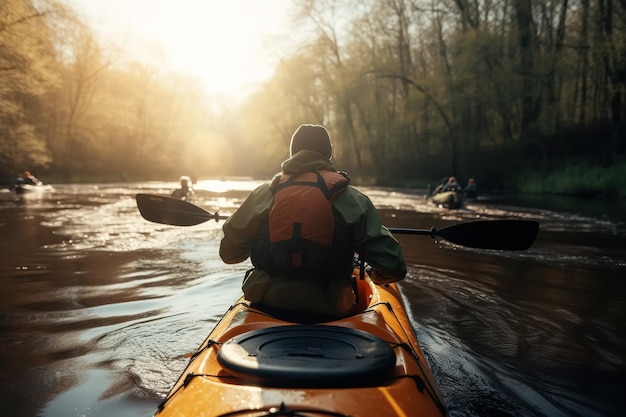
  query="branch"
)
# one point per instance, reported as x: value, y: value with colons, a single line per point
x: 21, y: 20
x: 421, y: 89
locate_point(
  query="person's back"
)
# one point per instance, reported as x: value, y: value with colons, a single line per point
x: 303, y: 237
x: 323, y: 286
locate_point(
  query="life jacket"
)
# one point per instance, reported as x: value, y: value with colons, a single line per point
x: 302, y: 237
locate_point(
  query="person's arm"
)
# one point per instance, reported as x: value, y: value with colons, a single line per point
x: 242, y: 228
x: 383, y: 252
x: 372, y: 239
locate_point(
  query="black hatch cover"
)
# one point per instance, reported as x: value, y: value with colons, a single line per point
x: 308, y: 355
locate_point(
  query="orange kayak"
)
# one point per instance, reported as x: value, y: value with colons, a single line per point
x: 255, y: 364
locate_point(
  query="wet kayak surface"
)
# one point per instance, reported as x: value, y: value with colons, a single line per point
x: 100, y: 309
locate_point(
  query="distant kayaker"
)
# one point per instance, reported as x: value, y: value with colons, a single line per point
x: 24, y: 181
x: 451, y: 185
x: 185, y: 192
x: 442, y: 184
x: 27, y: 178
x: 471, y: 189
x: 301, y: 231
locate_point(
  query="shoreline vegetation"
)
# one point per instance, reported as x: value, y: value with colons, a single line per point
x: 578, y: 178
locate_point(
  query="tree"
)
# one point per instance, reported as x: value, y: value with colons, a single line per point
x: 27, y: 71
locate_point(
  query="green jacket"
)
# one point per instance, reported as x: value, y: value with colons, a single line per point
x: 378, y: 247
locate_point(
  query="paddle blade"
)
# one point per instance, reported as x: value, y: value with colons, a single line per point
x: 172, y: 211
x: 492, y: 234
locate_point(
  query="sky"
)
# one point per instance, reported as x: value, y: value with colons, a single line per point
x: 230, y: 45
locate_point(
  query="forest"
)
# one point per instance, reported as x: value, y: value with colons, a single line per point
x: 527, y: 95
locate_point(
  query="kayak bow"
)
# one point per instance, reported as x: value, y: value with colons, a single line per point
x: 257, y: 364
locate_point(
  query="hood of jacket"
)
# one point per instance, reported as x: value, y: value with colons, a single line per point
x: 307, y: 161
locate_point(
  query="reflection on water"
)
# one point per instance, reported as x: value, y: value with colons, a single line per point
x: 99, y: 309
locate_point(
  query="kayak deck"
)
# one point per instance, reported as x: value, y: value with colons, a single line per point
x: 254, y: 364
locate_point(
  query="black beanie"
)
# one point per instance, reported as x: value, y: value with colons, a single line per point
x: 311, y: 138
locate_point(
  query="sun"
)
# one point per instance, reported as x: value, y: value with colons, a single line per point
x: 231, y: 46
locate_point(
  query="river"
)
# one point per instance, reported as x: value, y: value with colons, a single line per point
x: 100, y: 308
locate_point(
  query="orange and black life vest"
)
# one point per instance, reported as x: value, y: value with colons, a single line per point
x: 302, y: 236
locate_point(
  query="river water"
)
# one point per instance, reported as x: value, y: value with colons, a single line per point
x: 99, y: 308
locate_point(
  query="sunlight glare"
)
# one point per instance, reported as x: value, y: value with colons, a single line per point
x: 222, y: 186
x: 223, y: 43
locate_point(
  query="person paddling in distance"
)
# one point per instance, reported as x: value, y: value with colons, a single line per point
x: 185, y: 192
x: 439, y: 187
x: 27, y: 178
x: 471, y: 189
x: 451, y: 185
x: 301, y: 231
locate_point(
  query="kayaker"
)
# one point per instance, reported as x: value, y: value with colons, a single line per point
x: 452, y: 185
x: 313, y: 278
x: 185, y: 192
x: 22, y: 181
x: 442, y: 184
x: 471, y: 189
x: 28, y: 178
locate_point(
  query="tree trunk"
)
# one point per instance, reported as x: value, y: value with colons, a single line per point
x: 529, y: 100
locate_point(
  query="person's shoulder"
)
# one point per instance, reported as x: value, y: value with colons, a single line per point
x: 354, y: 190
x: 352, y: 195
x: 262, y: 189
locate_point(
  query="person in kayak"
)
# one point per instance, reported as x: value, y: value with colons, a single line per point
x: 451, y: 185
x: 185, y: 192
x: 301, y: 231
x: 23, y: 181
x: 27, y: 178
x: 439, y: 187
x: 470, y: 189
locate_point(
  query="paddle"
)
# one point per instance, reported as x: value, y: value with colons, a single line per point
x: 172, y: 211
x: 482, y: 234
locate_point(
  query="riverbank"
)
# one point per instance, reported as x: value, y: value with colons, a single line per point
x: 579, y: 178
x: 574, y: 177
